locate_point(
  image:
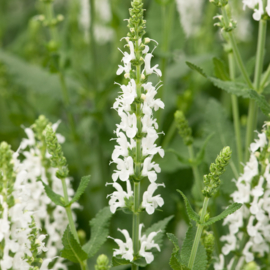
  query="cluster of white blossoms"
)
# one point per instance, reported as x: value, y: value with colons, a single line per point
x: 126, y: 248
x: 257, y: 6
x: 31, y: 201
x: 127, y: 130
x: 253, y: 191
x: 16, y: 226
x: 136, y: 136
x: 102, y: 31
x: 190, y: 17
x: 55, y: 221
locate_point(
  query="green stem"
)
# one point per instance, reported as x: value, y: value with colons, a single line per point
x: 236, y: 51
x: 138, y: 157
x: 198, y: 235
x: 236, y: 119
x: 198, y: 183
x: 265, y: 79
x: 253, y: 108
x: 70, y: 220
x: 169, y: 135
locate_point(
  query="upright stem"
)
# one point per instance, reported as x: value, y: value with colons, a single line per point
x: 238, y: 57
x: 70, y: 219
x: 235, y: 110
x: 253, y: 108
x: 138, y: 157
x: 198, y: 235
x: 265, y: 78
x: 198, y: 183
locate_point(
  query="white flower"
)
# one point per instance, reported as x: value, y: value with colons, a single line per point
x: 219, y: 265
x: 148, y: 69
x: 147, y: 169
x: 150, y: 202
x: 260, y: 143
x: 31, y: 138
x: 41, y: 244
x: 258, y: 12
x: 125, y: 249
x: 124, y: 169
x: 147, y: 243
x: 248, y: 255
x: 117, y: 198
x: 230, y: 245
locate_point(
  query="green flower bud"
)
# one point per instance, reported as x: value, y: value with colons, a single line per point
x: 54, y: 148
x: 219, y: 3
x: 208, y: 241
x: 102, y: 263
x: 211, y: 180
x: 183, y: 127
x: 251, y: 266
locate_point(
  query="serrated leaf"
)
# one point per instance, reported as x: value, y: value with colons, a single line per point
x: 83, y: 185
x: 235, y: 88
x: 220, y: 69
x: 260, y: 100
x: 175, y: 260
x: 196, y: 68
x: 99, y: 231
x: 116, y: 261
x: 191, y: 213
x: 200, y: 262
x: 161, y: 225
x: 201, y: 153
x: 72, y: 249
x: 230, y: 210
x: 56, y: 198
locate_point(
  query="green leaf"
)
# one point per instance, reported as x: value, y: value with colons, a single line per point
x: 220, y: 69
x: 56, y: 198
x: 72, y: 249
x: 116, y: 261
x: 83, y: 185
x: 235, y: 88
x: 34, y: 77
x: 231, y: 209
x: 200, y: 155
x: 196, y: 68
x: 191, y: 213
x: 99, y: 231
x: 175, y: 260
x: 161, y: 225
x: 260, y: 100
x: 201, y: 257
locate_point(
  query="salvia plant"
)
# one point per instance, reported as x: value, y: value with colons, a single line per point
x: 185, y: 170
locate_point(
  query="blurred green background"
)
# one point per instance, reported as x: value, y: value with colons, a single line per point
x: 88, y: 59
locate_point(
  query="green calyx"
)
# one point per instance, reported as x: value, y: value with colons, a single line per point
x: 211, y: 180
x: 102, y: 263
x: 39, y: 127
x: 54, y: 148
x: 183, y: 127
x: 208, y: 241
x: 136, y: 23
x: 219, y: 3
x: 6, y: 164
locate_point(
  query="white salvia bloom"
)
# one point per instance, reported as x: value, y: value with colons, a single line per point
x: 254, y: 194
x: 148, y: 69
x: 190, y: 15
x: 117, y: 198
x: 150, y: 202
x: 219, y: 265
x: 257, y: 6
x: 126, y: 248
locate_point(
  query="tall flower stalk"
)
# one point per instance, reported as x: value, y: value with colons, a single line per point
x: 136, y: 136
